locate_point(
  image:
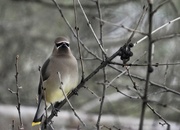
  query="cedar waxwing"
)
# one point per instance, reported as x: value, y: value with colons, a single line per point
x: 61, y: 60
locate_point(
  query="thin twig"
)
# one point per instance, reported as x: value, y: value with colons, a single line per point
x: 140, y: 19
x: 11, y: 91
x: 17, y: 93
x: 121, y: 26
x: 166, y: 37
x: 61, y: 87
x: 158, y: 115
x: 104, y: 69
x: 131, y: 97
x: 92, y: 92
x: 91, y: 28
x: 149, y: 67
x: 115, y: 78
x: 128, y: 71
x: 165, y: 75
x: 77, y: 33
x: 159, y: 28
x: 157, y: 85
x: 21, y: 127
x: 129, y: 74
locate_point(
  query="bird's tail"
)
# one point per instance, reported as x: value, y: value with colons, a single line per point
x: 39, y: 113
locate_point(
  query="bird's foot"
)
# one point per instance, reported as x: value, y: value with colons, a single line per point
x: 55, y: 110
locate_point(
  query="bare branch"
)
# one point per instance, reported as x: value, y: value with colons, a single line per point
x: 91, y: 28
x: 149, y: 67
x: 104, y: 69
x: 121, y: 26
x: 20, y: 127
x: 11, y: 91
x: 140, y: 19
x: 159, y: 28
x: 158, y: 115
x: 92, y: 92
x: 166, y: 37
x: 77, y: 33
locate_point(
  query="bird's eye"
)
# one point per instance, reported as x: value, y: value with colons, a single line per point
x: 58, y: 44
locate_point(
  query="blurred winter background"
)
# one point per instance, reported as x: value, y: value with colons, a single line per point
x: 28, y: 29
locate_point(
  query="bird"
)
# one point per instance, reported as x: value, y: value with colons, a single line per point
x: 62, y: 62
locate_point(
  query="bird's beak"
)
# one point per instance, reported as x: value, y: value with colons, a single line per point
x: 62, y: 45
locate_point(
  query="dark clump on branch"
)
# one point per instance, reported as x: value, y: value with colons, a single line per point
x: 125, y: 52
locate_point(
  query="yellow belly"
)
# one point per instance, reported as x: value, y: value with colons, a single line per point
x: 53, y: 93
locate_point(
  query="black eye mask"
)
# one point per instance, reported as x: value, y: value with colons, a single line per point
x: 62, y: 44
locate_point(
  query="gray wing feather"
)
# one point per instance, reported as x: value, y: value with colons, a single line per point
x: 45, y: 75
